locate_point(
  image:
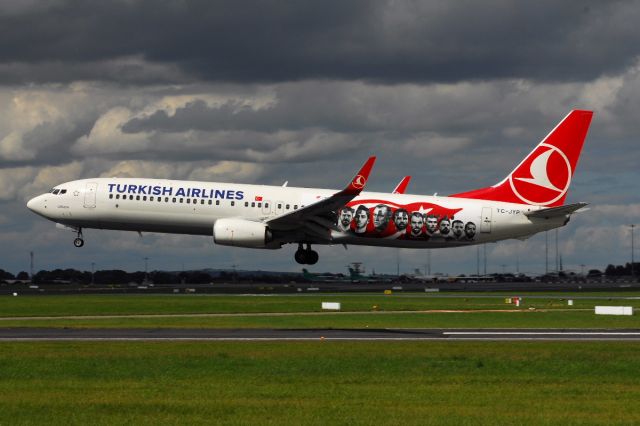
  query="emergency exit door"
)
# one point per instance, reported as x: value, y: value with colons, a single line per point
x: 485, y: 226
x: 90, y: 195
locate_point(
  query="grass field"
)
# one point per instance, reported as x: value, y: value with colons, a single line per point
x: 320, y: 383
x: 303, y: 311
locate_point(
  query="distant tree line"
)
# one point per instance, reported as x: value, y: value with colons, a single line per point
x: 620, y: 270
x: 116, y: 276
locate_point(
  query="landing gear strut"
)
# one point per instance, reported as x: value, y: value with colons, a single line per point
x: 79, y: 242
x: 306, y: 256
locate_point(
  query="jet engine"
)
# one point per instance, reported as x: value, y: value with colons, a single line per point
x: 242, y: 233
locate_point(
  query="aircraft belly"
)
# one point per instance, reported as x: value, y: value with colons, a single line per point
x: 340, y: 238
x: 145, y: 221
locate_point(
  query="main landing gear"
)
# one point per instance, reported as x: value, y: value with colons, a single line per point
x: 306, y: 256
x: 79, y: 242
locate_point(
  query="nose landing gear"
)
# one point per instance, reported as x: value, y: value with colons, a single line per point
x: 306, y: 256
x: 79, y: 242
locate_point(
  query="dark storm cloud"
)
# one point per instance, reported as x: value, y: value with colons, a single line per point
x: 271, y: 41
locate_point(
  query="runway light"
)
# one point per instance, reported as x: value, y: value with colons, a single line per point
x: 15, y: 294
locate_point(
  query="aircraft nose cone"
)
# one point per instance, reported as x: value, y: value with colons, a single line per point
x: 36, y: 204
x: 31, y: 204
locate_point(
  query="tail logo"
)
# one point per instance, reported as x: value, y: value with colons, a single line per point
x: 543, y: 178
x: 358, y: 182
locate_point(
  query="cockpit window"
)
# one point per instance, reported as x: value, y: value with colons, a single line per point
x: 63, y: 191
x: 56, y: 191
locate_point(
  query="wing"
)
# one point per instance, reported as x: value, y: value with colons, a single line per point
x: 319, y: 218
x: 402, y: 185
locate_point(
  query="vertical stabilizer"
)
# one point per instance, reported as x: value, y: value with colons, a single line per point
x: 544, y: 176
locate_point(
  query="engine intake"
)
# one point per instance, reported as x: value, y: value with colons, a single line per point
x: 242, y: 233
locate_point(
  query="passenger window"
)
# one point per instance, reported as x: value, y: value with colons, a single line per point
x: 233, y: 203
x: 210, y: 202
x: 144, y: 198
x: 117, y: 196
x: 217, y: 202
x: 137, y: 198
x: 159, y: 199
x: 166, y: 199
x: 259, y: 204
x: 131, y: 197
x: 266, y: 205
x: 246, y: 204
x: 174, y: 199
x: 295, y: 207
x: 181, y: 200
x: 201, y: 201
x: 253, y: 204
x: 288, y: 206
x: 188, y: 200
x: 279, y: 206
x: 110, y: 196
x: 151, y: 198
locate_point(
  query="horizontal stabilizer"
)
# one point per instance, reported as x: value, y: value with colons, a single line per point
x: 556, y: 211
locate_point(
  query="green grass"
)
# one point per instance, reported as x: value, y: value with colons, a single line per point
x: 194, y: 304
x: 183, y: 304
x: 320, y: 383
x: 359, y: 311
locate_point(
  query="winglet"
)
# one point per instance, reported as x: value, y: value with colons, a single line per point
x: 360, y: 179
x: 402, y: 186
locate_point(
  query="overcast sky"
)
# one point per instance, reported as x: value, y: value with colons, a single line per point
x: 452, y: 93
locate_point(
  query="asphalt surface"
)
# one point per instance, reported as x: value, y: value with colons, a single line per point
x: 163, y: 334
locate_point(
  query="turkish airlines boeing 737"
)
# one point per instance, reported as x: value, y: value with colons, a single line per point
x: 529, y: 200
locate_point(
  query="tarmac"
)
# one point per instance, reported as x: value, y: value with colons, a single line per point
x: 384, y: 334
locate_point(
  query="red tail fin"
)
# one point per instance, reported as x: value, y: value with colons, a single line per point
x: 544, y: 176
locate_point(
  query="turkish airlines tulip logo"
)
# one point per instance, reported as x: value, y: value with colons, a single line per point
x: 543, y: 178
x: 358, y: 182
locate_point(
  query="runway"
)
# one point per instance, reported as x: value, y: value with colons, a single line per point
x: 167, y: 334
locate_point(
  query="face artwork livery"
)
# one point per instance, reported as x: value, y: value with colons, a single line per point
x: 385, y: 219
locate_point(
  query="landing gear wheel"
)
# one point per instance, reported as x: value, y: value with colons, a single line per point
x: 79, y: 242
x: 312, y: 257
x: 301, y: 257
x: 306, y: 256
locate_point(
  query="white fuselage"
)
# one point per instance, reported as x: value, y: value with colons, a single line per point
x: 190, y: 207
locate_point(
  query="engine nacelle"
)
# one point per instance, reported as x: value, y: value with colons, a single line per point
x: 242, y: 233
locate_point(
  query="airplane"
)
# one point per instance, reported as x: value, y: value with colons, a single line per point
x: 528, y: 200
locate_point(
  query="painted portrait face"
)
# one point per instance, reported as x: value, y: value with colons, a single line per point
x: 346, y: 216
x: 432, y: 224
x: 457, y: 227
x: 401, y: 219
x: 470, y: 230
x: 380, y: 217
x: 445, y: 226
x: 417, y: 221
x: 362, y: 218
